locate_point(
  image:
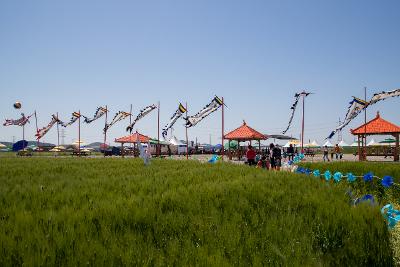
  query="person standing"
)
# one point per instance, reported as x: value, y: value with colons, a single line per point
x: 251, y: 156
x: 338, y: 152
x: 326, y: 153
x: 290, y: 152
x: 277, y: 156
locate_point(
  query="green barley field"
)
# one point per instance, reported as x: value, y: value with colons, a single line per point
x: 116, y: 212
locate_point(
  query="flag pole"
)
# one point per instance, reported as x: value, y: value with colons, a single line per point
x: 223, y: 122
x: 130, y: 122
x: 105, y: 133
x: 158, y: 132
x: 302, y: 126
x: 187, y: 138
x: 37, y: 140
x: 23, y: 137
x: 79, y: 134
x: 58, y: 133
x: 365, y: 126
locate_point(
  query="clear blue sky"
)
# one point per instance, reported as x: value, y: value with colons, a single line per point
x: 63, y: 56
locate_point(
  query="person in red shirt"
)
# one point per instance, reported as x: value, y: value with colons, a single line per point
x: 251, y: 156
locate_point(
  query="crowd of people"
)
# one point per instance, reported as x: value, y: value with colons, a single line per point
x: 271, y: 158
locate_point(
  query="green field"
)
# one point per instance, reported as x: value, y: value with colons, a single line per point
x: 113, y: 212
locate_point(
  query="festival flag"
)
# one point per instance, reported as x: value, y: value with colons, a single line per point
x: 120, y: 115
x: 357, y: 105
x: 293, y: 108
x: 41, y: 132
x: 97, y: 115
x: 19, y: 122
x: 140, y: 116
x: 74, y: 118
x: 178, y: 113
x: 207, y: 110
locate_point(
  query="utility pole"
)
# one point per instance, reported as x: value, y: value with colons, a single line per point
x: 62, y: 136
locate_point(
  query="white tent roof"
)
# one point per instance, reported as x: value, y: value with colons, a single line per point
x: 291, y: 142
x: 373, y: 143
x: 342, y: 144
x: 328, y: 144
x: 174, y: 141
x: 2, y: 145
x: 314, y: 143
x: 355, y: 144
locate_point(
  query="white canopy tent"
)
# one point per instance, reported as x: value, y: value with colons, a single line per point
x: 327, y: 144
x: 355, y: 144
x: 373, y: 143
x: 174, y: 141
x: 342, y: 144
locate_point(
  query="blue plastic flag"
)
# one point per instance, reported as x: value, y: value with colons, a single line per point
x: 391, y: 215
x: 214, y: 159
x: 316, y: 173
x: 387, y: 181
x: 367, y: 198
x: 350, y: 177
x: 368, y: 177
x: 328, y: 175
x: 337, y: 176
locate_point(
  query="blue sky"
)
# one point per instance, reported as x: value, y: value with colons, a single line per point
x: 62, y: 56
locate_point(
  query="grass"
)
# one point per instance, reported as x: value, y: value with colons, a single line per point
x: 112, y: 212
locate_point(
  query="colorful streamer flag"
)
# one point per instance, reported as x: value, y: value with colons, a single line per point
x: 357, y: 105
x: 293, y: 108
x: 119, y: 116
x: 178, y: 113
x: 215, y: 104
x: 140, y: 116
x: 97, y: 115
x: 41, y: 132
x: 19, y: 122
x: 74, y: 118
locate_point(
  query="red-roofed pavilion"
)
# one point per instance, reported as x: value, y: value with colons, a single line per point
x: 377, y: 126
x: 244, y: 133
x: 131, y: 139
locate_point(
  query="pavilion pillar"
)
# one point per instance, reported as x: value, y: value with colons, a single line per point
x: 229, y: 150
x: 396, y: 148
x: 359, y: 150
x: 122, y: 149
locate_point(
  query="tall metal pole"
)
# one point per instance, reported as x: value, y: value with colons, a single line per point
x: 223, y: 122
x: 23, y: 137
x: 79, y: 134
x: 365, y: 126
x: 130, y: 122
x: 302, y: 126
x: 158, y: 132
x: 58, y: 134
x: 37, y: 140
x: 105, y: 134
x: 187, y: 138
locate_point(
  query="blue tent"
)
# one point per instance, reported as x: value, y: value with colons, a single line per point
x: 19, y: 145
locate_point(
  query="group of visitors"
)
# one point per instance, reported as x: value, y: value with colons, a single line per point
x: 271, y: 160
x: 337, y: 151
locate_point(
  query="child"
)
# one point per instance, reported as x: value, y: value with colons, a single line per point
x: 263, y: 163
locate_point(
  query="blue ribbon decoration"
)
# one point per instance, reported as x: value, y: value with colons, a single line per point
x: 387, y: 181
x: 350, y: 177
x: 368, y: 177
x: 328, y: 175
x: 391, y: 215
x: 367, y: 198
x: 337, y: 176
x: 316, y: 173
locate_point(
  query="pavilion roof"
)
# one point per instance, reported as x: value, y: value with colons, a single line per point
x: 244, y: 133
x: 377, y: 126
x: 133, y: 138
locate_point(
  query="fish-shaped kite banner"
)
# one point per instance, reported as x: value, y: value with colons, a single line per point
x: 357, y: 105
x: 97, y: 115
x: 215, y: 104
x: 19, y: 122
x: 140, y: 116
x: 178, y: 113
x: 41, y: 132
